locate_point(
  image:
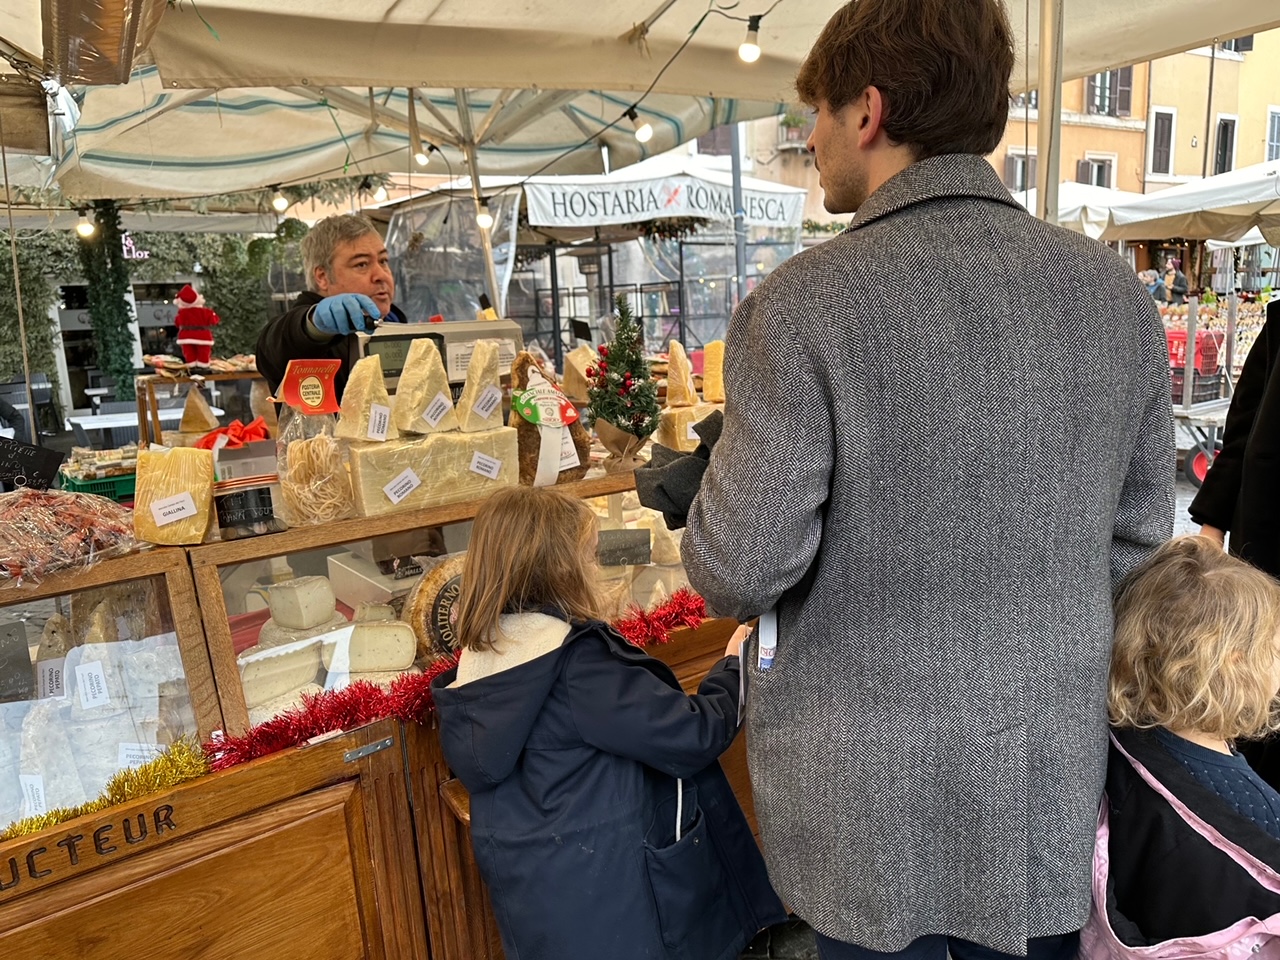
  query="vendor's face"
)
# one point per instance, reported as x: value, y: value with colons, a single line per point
x: 360, y: 266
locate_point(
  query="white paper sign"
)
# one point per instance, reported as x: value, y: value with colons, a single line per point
x: 49, y: 679
x: 136, y: 754
x: 486, y: 466
x: 690, y: 433
x: 568, y: 452
x: 32, y: 785
x: 440, y: 406
x: 379, y: 420
x: 174, y: 508
x: 402, y: 486
x: 91, y: 681
x: 488, y: 402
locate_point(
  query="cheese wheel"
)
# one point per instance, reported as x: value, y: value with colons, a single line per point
x: 270, y: 672
x: 173, y: 496
x: 480, y: 405
x: 301, y: 603
x: 424, y: 400
x: 273, y: 635
x: 374, y: 646
x: 680, y: 389
x: 278, y: 705
x: 713, y: 372
x: 366, y: 407
x: 431, y: 608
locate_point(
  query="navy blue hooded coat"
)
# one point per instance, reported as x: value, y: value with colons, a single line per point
x: 571, y: 761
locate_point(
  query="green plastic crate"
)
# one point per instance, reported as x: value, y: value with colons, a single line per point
x: 119, y: 489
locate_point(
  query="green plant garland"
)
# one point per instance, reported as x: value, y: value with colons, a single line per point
x: 107, y: 275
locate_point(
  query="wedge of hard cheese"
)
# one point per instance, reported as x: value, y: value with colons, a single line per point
x: 270, y: 672
x: 173, y: 499
x: 713, y: 372
x: 375, y: 646
x: 676, y: 429
x: 197, y: 415
x: 480, y: 406
x: 681, y: 391
x: 576, y: 383
x: 423, y: 402
x: 366, y: 407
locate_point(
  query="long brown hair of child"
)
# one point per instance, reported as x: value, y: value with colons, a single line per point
x: 530, y: 548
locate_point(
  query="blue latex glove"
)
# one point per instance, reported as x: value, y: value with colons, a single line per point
x: 345, y: 313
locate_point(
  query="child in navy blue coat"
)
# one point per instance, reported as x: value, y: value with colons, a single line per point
x: 600, y: 819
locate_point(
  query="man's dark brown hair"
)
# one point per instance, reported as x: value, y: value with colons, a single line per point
x: 941, y: 66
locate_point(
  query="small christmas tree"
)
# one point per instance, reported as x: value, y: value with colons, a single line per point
x: 621, y: 392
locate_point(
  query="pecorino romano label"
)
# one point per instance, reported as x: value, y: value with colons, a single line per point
x: 56, y: 854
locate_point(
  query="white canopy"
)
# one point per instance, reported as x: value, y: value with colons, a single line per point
x: 1253, y: 238
x: 1082, y: 207
x: 1225, y: 207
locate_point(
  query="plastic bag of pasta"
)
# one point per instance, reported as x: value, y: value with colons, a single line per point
x: 315, y: 479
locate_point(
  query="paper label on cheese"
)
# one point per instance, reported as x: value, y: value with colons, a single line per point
x: 379, y: 420
x: 486, y: 466
x: 568, y: 451
x: 136, y: 754
x: 32, y: 785
x: 436, y: 411
x: 402, y: 486
x: 690, y: 433
x: 488, y: 402
x: 49, y: 679
x: 171, y: 509
x: 91, y: 681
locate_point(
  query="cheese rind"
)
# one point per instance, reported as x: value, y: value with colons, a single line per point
x: 431, y: 607
x: 422, y: 381
x: 163, y: 476
x: 442, y: 464
x: 365, y: 389
x: 675, y: 430
x: 270, y: 672
x: 713, y: 372
x: 375, y: 646
x: 681, y: 391
x: 273, y: 635
x: 273, y: 708
x: 482, y: 376
x: 302, y: 603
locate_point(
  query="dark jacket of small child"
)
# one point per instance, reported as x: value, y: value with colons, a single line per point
x: 573, y: 761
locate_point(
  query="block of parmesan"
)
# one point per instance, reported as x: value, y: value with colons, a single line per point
x: 680, y: 389
x: 273, y: 635
x: 676, y: 429
x: 713, y: 372
x: 432, y: 470
x: 272, y: 708
x: 480, y: 406
x: 575, y: 372
x: 270, y: 672
x: 664, y: 547
x: 174, y: 494
x: 366, y: 407
x: 301, y: 603
x: 423, y: 402
x: 197, y: 415
x: 375, y: 646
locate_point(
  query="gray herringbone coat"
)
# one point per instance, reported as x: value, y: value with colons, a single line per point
x: 948, y: 433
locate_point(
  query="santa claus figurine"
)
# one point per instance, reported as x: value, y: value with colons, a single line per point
x: 194, y: 320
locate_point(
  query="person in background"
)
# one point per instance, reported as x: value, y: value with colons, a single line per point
x: 15, y: 420
x: 1175, y: 282
x: 1155, y: 286
x: 1189, y: 842
x: 349, y: 287
x: 601, y: 821
x: 895, y: 493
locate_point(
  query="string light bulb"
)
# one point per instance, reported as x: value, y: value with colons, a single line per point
x: 749, y: 49
x: 279, y: 202
x: 484, y: 219
x: 644, y: 129
x: 85, y: 227
x: 380, y: 195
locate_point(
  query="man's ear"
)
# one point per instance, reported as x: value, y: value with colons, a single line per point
x: 322, y: 280
x: 871, y: 116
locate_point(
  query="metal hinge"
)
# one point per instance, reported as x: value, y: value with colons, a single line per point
x: 351, y: 756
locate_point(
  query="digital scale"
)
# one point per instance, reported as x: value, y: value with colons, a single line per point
x: 455, y: 339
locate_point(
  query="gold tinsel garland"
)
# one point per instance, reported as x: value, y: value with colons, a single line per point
x: 182, y: 761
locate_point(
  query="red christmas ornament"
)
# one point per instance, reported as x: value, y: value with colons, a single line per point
x: 604, y: 350
x: 591, y: 371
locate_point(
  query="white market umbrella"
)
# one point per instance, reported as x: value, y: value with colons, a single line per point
x: 1225, y: 207
x: 1082, y: 207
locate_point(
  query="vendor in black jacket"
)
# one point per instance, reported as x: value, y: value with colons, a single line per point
x: 349, y: 287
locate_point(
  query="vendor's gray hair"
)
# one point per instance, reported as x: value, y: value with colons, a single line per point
x: 320, y: 244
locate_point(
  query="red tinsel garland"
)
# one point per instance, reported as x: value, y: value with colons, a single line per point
x: 409, y: 699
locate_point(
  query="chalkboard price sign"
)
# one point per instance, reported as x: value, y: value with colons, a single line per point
x: 23, y: 465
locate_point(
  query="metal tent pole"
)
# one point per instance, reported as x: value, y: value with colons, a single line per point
x: 739, y: 217
x: 1049, y: 128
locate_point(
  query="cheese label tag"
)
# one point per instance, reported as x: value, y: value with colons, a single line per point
x: 690, y: 433
x: 568, y: 452
x: 308, y: 386
x: 543, y: 403
x: 32, y: 785
x: 437, y: 409
x: 91, y: 681
x: 49, y: 675
x: 379, y: 420
x: 402, y: 486
x: 488, y: 402
x: 136, y: 754
x: 171, y: 509
x: 485, y: 465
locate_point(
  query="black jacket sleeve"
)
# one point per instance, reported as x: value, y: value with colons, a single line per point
x: 1215, y: 504
x: 627, y: 710
x: 286, y: 338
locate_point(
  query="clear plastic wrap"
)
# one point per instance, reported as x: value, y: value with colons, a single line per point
x: 173, y: 498
x: 42, y: 531
x: 315, y: 479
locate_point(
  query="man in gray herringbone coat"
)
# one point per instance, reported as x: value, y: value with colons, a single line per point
x: 948, y: 433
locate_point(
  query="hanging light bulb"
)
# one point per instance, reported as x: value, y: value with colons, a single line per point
x: 644, y: 129
x: 84, y: 226
x: 380, y: 194
x: 421, y: 152
x: 749, y: 49
x: 279, y: 202
x: 484, y: 219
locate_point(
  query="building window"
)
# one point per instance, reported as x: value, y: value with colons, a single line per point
x: 1162, y: 142
x: 1224, y: 154
x: 1019, y: 171
x: 1239, y: 45
x: 717, y: 142
x: 1028, y: 101
x: 1110, y: 94
x: 1273, y: 135
x: 1095, y: 170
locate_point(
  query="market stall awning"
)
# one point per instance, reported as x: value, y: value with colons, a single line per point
x: 1225, y: 207
x: 1082, y: 207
